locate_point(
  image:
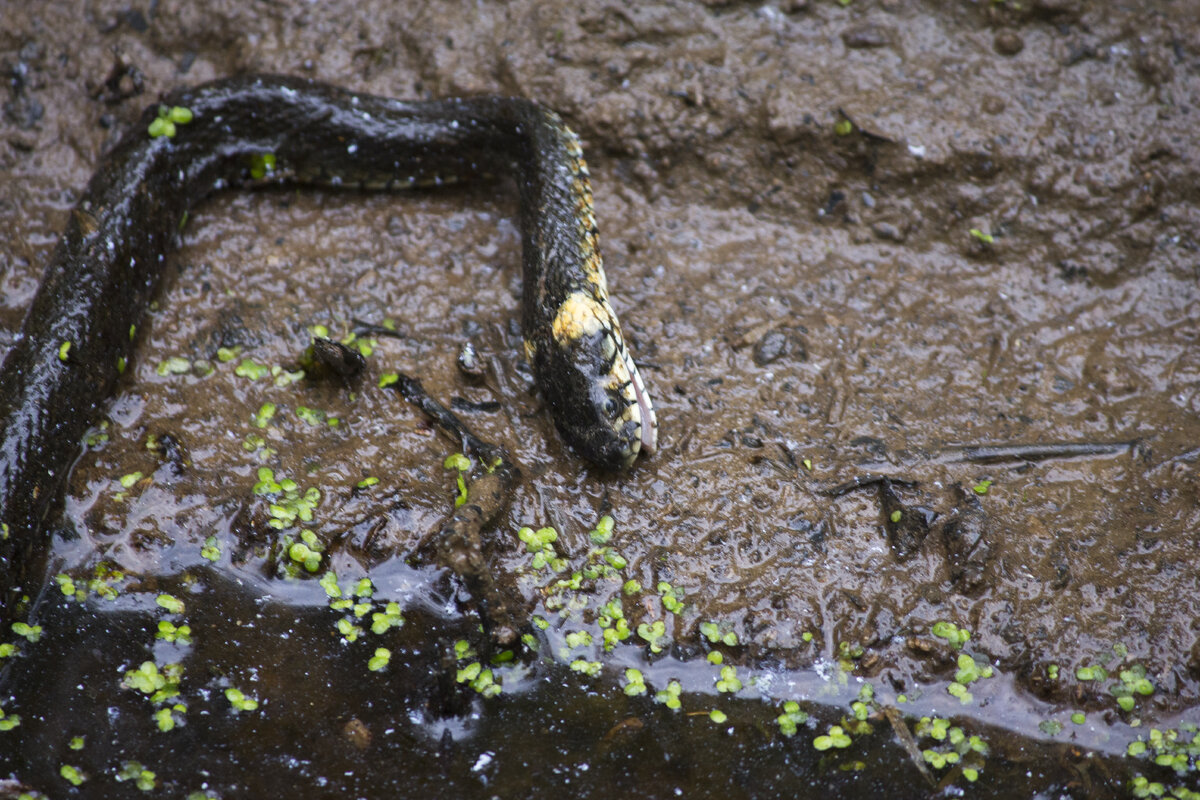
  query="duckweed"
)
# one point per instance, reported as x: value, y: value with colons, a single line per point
x: 460, y: 463
x: 380, y: 660
x: 791, y: 718
x: 390, y: 617
x: 670, y: 695
x: 729, y: 682
x: 613, y: 624
x: 847, y: 655
x: 7, y: 650
x: 167, y: 120
x: 1178, y: 749
x: 329, y: 583
x: 653, y: 633
x: 160, y: 686
x: 291, y: 507
x: 1141, y: 786
x: 306, y: 552
x: 264, y: 414
x: 143, y: 778
x: 541, y: 544
x: 168, y: 631
x: 311, y: 416
x: 8, y: 721
x: 717, y: 634
x: 71, y: 774
x: 960, y: 691
x: 483, y: 681
x: 31, y: 632
x: 175, y: 365
x: 670, y: 597
x: 1133, y: 681
x: 239, y: 700
x: 171, y: 603
x: 578, y: 639
x: 349, y: 631
x: 261, y: 165
x: 979, y: 235
x: 66, y: 585
x: 168, y: 718
x: 953, y: 747
x: 635, y: 683
x: 717, y: 715
x: 603, y: 532
x: 953, y: 634
x: 96, y: 437
x: 968, y: 672
x: 251, y: 369
x: 104, y: 581
x: 836, y: 737
x: 982, y: 487
x: 211, y: 549
x: 589, y: 668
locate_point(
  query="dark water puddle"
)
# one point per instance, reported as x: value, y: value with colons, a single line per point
x: 326, y: 725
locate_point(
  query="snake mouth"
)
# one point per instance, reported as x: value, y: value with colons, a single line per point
x: 648, y: 436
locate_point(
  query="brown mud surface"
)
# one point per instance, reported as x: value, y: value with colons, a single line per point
x: 949, y: 243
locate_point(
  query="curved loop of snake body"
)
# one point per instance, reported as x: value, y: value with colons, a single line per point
x: 110, y: 258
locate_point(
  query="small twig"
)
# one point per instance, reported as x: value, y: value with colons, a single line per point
x: 364, y: 328
x: 863, y: 481
x: 457, y: 542
x: 1000, y: 453
x: 908, y: 742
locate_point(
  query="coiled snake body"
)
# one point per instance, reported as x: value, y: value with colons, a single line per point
x: 108, y: 263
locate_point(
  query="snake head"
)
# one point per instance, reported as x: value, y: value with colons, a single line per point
x: 589, y: 379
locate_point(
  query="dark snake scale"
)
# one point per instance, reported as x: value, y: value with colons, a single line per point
x: 55, y: 380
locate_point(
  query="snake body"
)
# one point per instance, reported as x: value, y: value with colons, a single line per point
x: 105, y: 270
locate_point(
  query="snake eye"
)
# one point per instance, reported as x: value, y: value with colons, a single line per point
x: 611, y: 407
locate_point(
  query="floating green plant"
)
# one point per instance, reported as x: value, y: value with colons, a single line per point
x: 167, y: 120
x: 239, y: 701
x: 791, y: 718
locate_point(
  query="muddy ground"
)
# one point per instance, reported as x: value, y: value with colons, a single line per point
x: 950, y: 243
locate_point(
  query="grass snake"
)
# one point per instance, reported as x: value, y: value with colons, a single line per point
x: 56, y: 378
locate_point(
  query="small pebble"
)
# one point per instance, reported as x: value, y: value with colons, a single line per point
x: 1008, y: 43
x: 865, y: 36
x: 469, y: 362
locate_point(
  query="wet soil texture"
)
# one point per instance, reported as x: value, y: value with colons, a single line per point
x: 952, y: 244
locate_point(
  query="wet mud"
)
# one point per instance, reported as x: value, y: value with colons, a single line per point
x: 913, y: 285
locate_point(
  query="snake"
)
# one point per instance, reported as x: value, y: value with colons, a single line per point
x: 267, y: 129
